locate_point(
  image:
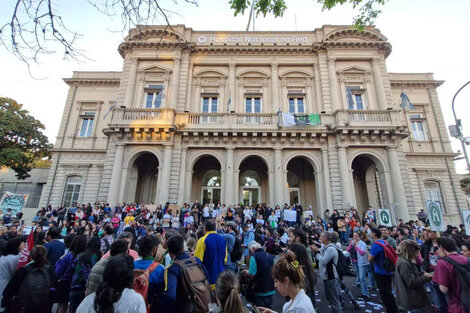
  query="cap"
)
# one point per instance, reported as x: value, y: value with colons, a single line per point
x: 230, y: 223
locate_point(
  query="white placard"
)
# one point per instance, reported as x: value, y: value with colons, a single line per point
x: 385, y: 217
x: 290, y: 215
x: 466, y: 221
x: 436, y: 221
x: 308, y: 213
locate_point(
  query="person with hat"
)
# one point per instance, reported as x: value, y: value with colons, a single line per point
x: 228, y: 231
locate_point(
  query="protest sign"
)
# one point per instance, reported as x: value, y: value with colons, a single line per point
x: 290, y: 215
x: 13, y: 201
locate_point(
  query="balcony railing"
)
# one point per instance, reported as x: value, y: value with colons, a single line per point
x: 368, y: 118
x: 232, y: 119
x: 144, y: 117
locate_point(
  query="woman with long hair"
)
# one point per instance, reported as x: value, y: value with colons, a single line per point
x: 409, y: 282
x: 306, y: 264
x: 226, y: 290
x: 115, y: 293
x: 9, y: 260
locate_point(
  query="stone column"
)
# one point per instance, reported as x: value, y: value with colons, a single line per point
x: 236, y: 183
x: 231, y: 86
x: 326, y: 180
x: 397, y: 185
x: 228, y: 183
x: 271, y: 189
x: 334, y: 94
x: 274, y: 88
x: 379, y: 86
x: 187, y: 186
x: 318, y: 94
x: 346, y: 179
x: 189, y: 88
x: 113, y: 192
x: 182, y: 182
x: 174, y: 84
x: 129, y: 99
x: 164, y: 178
x: 278, y: 183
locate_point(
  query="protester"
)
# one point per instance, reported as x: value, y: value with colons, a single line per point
x: 306, y: 264
x: 226, y: 291
x: 127, y: 237
x: 55, y: 247
x: 358, y: 248
x: 261, y: 264
x: 9, y: 260
x: 115, y: 293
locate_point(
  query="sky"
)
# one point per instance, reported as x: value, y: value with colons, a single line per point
x: 428, y: 36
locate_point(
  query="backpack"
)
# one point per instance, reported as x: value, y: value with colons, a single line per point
x: 236, y: 253
x: 35, y: 290
x: 108, y: 246
x: 194, y: 287
x: 391, y: 257
x: 342, y: 265
x: 463, y: 272
x: 141, y: 280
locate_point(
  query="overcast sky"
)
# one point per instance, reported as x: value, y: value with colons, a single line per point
x: 426, y: 36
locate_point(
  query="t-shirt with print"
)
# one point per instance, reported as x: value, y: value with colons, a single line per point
x: 444, y: 274
x: 433, y: 257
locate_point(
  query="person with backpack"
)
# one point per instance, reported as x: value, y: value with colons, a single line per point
x: 248, y: 236
x: 186, y: 281
x: 29, y: 290
x: 115, y: 293
x: 107, y: 239
x: 409, y: 282
x: 327, y: 258
x: 233, y: 246
x: 148, y: 273
x: 261, y: 264
x: 384, y: 258
x: 452, y: 274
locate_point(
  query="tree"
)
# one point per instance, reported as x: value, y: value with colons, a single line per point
x: 21, y: 139
x: 35, y: 27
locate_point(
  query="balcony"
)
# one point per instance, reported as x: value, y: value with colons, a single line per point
x: 228, y: 120
x: 369, y: 118
x: 143, y: 118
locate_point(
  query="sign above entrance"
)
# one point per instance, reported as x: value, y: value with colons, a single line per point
x: 246, y: 39
x: 435, y: 217
x: 385, y: 218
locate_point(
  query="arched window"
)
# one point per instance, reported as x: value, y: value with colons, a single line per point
x: 292, y: 179
x: 433, y: 193
x: 211, y: 178
x: 72, y: 190
x: 250, y: 179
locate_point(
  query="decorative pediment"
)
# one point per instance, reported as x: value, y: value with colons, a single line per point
x: 296, y: 74
x: 354, y: 70
x: 352, y: 34
x: 165, y: 35
x: 253, y: 73
x: 156, y: 68
x: 210, y: 73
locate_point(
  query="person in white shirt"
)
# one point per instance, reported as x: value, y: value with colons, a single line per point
x: 206, y: 212
x: 175, y: 220
x: 288, y: 277
x: 272, y: 220
x: 166, y: 220
x: 116, y: 291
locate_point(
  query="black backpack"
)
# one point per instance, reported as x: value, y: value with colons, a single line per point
x: 463, y: 272
x: 342, y: 265
x: 236, y: 253
x: 35, y: 290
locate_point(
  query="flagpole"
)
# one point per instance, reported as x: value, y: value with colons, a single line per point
x: 459, y: 125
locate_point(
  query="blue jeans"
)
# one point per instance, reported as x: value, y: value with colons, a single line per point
x: 342, y: 235
x: 332, y: 294
x: 357, y: 273
x: 371, y: 275
x: 363, y: 269
x: 438, y: 298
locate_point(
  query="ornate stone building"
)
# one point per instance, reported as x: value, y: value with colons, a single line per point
x: 197, y: 115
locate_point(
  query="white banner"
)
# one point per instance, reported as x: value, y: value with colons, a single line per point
x: 436, y: 220
x: 13, y: 201
x: 308, y: 213
x: 466, y: 221
x: 385, y: 217
x: 290, y: 215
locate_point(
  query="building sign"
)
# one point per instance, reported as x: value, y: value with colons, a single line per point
x: 13, y: 201
x: 435, y: 217
x: 246, y: 39
x: 385, y: 218
x: 466, y: 221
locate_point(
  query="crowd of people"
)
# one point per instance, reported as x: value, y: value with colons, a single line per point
x: 231, y: 259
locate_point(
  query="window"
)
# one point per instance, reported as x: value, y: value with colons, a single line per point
x: 209, y: 104
x: 250, y: 179
x: 296, y: 105
x: 355, y: 96
x: 87, y: 124
x: 72, y: 190
x: 417, y: 127
x: 252, y: 105
x: 153, y: 96
x: 211, y: 189
x: 432, y: 190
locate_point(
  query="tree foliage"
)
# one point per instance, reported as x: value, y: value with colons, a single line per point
x: 21, y: 139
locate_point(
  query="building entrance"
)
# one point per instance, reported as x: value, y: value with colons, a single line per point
x: 206, y: 180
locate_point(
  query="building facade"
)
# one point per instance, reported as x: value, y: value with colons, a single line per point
x: 198, y: 115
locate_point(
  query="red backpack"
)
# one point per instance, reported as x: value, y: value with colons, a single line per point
x: 391, y: 257
x: 141, y: 280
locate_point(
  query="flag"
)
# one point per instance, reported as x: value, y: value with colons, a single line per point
x: 110, y: 109
x: 405, y: 101
x: 229, y: 102
x: 350, y: 99
x: 300, y: 119
x: 24, y: 254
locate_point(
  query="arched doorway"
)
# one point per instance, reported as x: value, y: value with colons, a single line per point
x: 369, y: 184
x: 253, y: 181
x: 301, y: 183
x: 143, y: 178
x: 207, y: 180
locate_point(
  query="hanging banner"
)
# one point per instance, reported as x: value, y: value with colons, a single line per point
x: 385, y: 217
x: 466, y: 221
x: 435, y: 217
x: 13, y: 201
x: 290, y: 215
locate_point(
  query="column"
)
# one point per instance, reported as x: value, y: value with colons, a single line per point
x: 346, y: 181
x: 187, y: 186
x: 182, y: 182
x: 327, y: 181
x: 236, y: 183
x: 189, y: 88
x: 228, y: 183
x: 231, y: 86
x: 164, y: 178
x: 113, y: 192
x: 272, y: 200
x: 334, y: 94
x: 174, y: 84
x: 274, y: 88
x: 278, y: 184
x: 318, y: 94
x: 397, y: 185
x: 129, y: 99
x: 379, y: 86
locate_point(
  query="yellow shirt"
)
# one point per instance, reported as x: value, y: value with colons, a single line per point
x: 128, y: 220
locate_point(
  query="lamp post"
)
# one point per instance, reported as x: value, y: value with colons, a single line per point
x: 458, y: 128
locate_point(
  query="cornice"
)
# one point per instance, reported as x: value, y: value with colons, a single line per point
x: 432, y: 154
x: 78, y: 150
x: 416, y: 83
x: 92, y: 81
x: 380, y: 45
